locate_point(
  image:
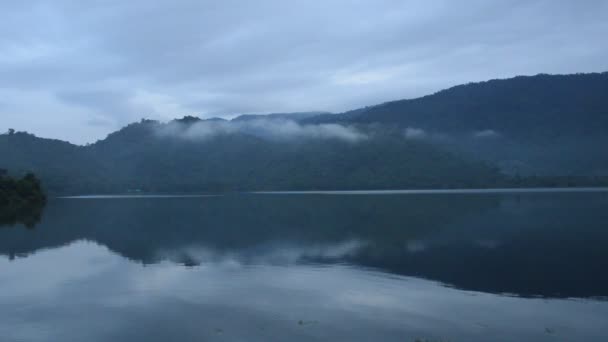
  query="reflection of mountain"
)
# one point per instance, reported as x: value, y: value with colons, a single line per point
x: 521, y: 245
x: 476, y: 135
x: 28, y: 215
x: 140, y: 228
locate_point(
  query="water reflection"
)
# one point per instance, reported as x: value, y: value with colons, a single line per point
x: 550, y: 245
x: 99, y: 296
x: 310, y: 267
x: 28, y: 215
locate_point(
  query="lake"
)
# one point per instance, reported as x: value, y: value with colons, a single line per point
x: 388, y: 266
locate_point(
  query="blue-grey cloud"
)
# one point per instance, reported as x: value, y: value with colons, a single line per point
x: 77, y: 70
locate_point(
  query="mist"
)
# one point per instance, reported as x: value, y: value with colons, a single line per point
x: 275, y: 253
x: 262, y: 128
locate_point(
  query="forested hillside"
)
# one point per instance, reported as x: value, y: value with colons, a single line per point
x: 139, y: 158
x: 544, y: 124
x: 21, y: 200
x: 527, y: 131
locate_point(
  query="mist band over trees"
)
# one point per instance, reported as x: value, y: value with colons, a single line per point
x: 539, y: 131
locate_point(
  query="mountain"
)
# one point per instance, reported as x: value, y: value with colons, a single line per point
x: 182, y: 156
x: 524, y: 107
x: 526, y: 131
x: 543, y: 124
x: 63, y: 166
x: 298, y: 116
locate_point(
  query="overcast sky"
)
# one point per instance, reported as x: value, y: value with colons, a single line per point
x: 77, y: 70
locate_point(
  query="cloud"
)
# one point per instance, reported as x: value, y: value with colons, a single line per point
x: 486, y: 133
x: 269, y: 129
x: 414, y: 133
x: 416, y: 246
x: 116, y: 61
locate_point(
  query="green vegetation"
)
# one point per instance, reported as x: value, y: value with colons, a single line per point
x: 546, y: 125
x: 21, y: 200
x: 136, y: 159
x: 540, y: 131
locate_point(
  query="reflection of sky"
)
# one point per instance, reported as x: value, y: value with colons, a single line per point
x: 83, y: 292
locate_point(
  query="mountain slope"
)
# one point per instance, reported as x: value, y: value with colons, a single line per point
x: 298, y: 116
x: 246, y: 161
x: 540, y: 125
x: 544, y: 124
x: 143, y: 156
x: 525, y: 106
x: 62, y: 166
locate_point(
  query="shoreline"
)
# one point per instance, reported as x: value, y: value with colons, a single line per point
x: 348, y: 192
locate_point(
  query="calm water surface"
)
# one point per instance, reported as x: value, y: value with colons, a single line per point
x: 310, y: 267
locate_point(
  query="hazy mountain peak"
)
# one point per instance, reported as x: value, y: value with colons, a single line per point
x: 295, y: 116
x: 188, y: 119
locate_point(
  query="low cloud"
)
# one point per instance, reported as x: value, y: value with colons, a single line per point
x: 415, y: 133
x: 66, y: 66
x: 264, y: 128
x: 486, y: 133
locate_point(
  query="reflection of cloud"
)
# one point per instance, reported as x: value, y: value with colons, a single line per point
x: 490, y: 244
x: 271, y: 129
x: 415, y: 246
x: 270, y: 254
x: 76, y: 261
x: 44, y: 296
x: 486, y: 133
x: 163, y: 276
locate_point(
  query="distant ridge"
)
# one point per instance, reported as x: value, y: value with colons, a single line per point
x: 486, y: 134
x: 297, y: 116
x: 543, y: 124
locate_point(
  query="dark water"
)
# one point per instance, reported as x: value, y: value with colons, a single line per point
x: 310, y: 267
